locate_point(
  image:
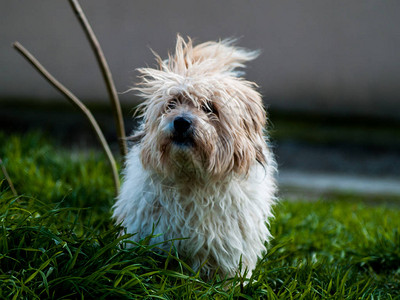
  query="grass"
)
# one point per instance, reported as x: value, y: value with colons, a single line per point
x: 57, y: 241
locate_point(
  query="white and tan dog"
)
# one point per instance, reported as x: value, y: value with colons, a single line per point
x: 201, y: 169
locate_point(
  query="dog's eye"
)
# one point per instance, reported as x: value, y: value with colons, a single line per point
x: 171, y: 105
x: 208, y: 108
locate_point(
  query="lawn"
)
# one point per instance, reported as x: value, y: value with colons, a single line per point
x: 57, y: 240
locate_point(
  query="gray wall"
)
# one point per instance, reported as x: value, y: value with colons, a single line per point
x: 339, y: 56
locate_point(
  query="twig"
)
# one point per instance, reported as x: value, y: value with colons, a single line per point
x: 3, y: 168
x: 105, y: 70
x: 77, y: 103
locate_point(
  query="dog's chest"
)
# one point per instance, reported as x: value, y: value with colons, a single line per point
x: 200, y: 214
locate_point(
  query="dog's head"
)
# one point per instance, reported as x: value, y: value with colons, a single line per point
x: 201, y: 119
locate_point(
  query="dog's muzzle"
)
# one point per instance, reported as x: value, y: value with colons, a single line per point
x: 183, y: 131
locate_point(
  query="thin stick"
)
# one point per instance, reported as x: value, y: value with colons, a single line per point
x: 77, y: 103
x: 3, y: 168
x: 107, y: 76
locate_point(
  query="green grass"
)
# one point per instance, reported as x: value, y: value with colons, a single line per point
x: 57, y: 241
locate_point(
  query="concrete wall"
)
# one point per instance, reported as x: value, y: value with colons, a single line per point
x: 339, y: 56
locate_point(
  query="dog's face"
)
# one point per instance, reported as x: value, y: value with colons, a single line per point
x: 200, y: 119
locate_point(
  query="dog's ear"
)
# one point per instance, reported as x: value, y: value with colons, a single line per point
x: 249, y: 143
x: 255, y: 123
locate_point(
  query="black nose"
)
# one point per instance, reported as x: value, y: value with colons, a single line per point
x: 182, y: 124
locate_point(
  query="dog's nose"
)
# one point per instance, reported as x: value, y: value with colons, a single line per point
x: 182, y: 124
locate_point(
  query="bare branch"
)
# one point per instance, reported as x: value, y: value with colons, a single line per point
x: 3, y: 168
x: 105, y: 70
x: 77, y: 103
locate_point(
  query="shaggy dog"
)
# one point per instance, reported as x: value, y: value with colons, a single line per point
x: 201, y: 169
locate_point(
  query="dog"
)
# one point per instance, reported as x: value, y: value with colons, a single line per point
x: 201, y: 170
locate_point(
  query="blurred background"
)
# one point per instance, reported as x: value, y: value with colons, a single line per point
x: 329, y: 72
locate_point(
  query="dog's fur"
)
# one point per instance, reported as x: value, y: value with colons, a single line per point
x: 201, y: 169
